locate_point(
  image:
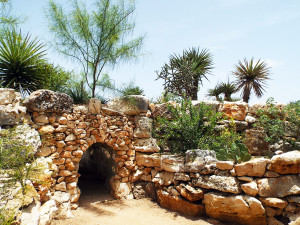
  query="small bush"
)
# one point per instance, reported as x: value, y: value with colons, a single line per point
x: 279, y: 122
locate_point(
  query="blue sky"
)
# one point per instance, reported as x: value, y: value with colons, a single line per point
x: 230, y: 29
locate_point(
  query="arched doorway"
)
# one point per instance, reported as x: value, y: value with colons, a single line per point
x: 96, y: 167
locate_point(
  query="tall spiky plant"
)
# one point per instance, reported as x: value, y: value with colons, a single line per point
x: 20, y: 62
x: 215, y: 92
x: 228, y: 88
x: 250, y: 76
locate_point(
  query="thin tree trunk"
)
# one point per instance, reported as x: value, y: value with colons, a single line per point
x: 194, y: 93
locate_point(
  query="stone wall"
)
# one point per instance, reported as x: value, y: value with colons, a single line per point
x: 197, y: 184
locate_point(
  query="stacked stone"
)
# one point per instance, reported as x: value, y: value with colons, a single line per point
x: 253, y: 192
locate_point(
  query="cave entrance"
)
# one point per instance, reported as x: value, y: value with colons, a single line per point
x: 96, y: 167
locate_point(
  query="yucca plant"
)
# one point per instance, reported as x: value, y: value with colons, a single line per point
x: 215, y: 92
x: 227, y: 89
x: 250, y: 76
x: 20, y: 62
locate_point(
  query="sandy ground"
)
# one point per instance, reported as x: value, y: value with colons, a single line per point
x: 97, y: 207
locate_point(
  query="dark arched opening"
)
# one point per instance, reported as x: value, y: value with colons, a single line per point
x: 96, y: 167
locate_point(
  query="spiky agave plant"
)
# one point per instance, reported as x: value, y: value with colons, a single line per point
x: 20, y: 62
x: 228, y: 88
x: 250, y: 76
x: 215, y: 92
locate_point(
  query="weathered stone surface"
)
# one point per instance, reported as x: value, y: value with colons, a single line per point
x: 143, y: 127
x: 274, y: 202
x: 279, y: 187
x: 240, y: 209
x: 164, y: 178
x: 130, y: 105
x: 172, y: 163
x: 30, y: 215
x: 120, y: 190
x: 94, y: 106
x: 250, y: 188
x: 144, y: 189
x: 43, y: 152
x: 148, y: 160
x: 190, y: 193
x: 250, y: 119
x: 48, y: 101
x: 214, y: 105
x: 220, y: 183
x: 256, y: 143
x: 7, y: 96
x: 254, y: 168
x: 235, y: 110
x: 46, y: 129
x: 198, y: 160
x: 41, y: 119
x: 182, y: 177
x: 162, y: 110
x: 47, y: 212
x: 146, y: 145
x: 238, y: 125
x: 225, y: 165
x: 179, y: 205
x: 11, y: 115
x: 286, y: 163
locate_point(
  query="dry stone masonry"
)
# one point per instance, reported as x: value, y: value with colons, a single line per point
x: 260, y: 191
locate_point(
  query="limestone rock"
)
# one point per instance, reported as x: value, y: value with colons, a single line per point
x: 240, y: 209
x: 120, y: 190
x: 179, y: 205
x: 31, y: 215
x: 153, y: 160
x: 94, y: 106
x: 43, y: 152
x: 172, y: 163
x: 143, y: 127
x: 41, y: 119
x: 7, y: 96
x: 274, y: 202
x: 182, y: 177
x: 198, y: 160
x: 225, y: 165
x: 250, y: 119
x: 146, y: 145
x: 235, y: 110
x: 162, y: 110
x: 47, y: 212
x: 190, y: 193
x: 164, y: 178
x: 286, y: 163
x: 48, y: 101
x: 144, y: 189
x: 220, y: 183
x: 256, y: 143
x: 214, y: 105
x: 130, y: 104
x: 250, y: 188
x: 11, y: 115
x: 279, y: 187
x: 46, y: 129
x: 254, y: 168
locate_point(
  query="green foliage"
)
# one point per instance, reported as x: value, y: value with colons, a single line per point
x: 21, y: 60
x: 78, y: 93
x: 166, y: 97
x: 227, y: 144
x: 184, y: 73
x: 251, y: 76
x: 189, y: 123
x: 95, y: 38
x: 132, y: 89
x: 278, y: 121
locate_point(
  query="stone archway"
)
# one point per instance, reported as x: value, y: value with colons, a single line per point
x: 96, y: 168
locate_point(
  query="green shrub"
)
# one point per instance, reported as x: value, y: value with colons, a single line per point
x: 279, y: 122
x: 189, y: 124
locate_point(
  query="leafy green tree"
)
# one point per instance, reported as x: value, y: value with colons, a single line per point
x: 250, y: 75
x: 21, y: 60
x: 184, y: 73
x: 95, y: 38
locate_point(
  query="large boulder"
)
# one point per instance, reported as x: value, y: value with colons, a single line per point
x: 162, y: 110
x: 7, y: 96
x: 146, y: 145
x: 179, y: 205
x: 240, y: 209
x: 48, y: 101
x: 279, y: 187
x: 220, y: 183
x: 120, y: 190
x: 255, y: 142
x: 287, y: 163
x: 11, y: 115
x: 235, y: 110
x: 143, y: 127
x: 203, y: 161
x: 130, y: 105
x: 253, y: 168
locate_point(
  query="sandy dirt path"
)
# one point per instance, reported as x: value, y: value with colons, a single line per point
x: 97, y: 207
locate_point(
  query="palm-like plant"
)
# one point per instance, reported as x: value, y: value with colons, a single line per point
x: 21, y: 61
x: 215, y: 92
x: 227, y: 89
x: 250, y: 76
